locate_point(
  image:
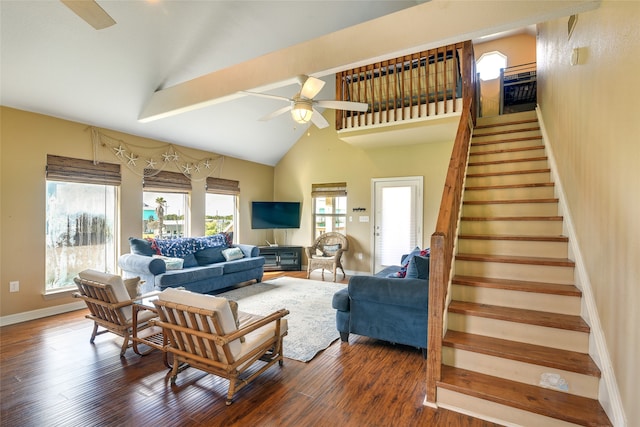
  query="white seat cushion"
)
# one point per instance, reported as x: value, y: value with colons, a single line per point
x: 207, y: 302
x: 119, y: 289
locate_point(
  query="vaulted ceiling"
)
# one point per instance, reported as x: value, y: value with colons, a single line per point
x: 173, y: 70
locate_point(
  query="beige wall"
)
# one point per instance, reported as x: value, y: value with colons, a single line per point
x: 592, y: 117
x: 26, y: 140
x: 519, y: 49
x: 321, y: 157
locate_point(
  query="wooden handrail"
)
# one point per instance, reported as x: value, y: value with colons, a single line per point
x: 443, y: 239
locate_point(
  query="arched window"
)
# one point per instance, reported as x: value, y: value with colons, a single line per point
x: 490, y: 64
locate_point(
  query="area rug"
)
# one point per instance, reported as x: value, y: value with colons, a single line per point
x: 312, y: 321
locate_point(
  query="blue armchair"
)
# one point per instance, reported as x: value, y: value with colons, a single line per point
x: 387, y: 308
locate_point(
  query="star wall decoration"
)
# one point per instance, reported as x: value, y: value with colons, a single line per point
x: 119, y: 151
x: 131, y: 159
x: 166, y: 157
x: 151, y: 164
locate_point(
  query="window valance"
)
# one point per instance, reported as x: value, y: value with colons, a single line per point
x: 84, y: 171
x: 336, y: 189
x: 223, y: 186
x: 164, y: 180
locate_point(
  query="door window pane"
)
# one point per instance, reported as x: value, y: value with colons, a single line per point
x: 80, y: 231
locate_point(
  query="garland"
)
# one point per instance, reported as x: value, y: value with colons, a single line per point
x: 149, y: 161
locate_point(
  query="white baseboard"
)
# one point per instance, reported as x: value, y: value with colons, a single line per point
x: 609, y: 395
x: 40, y: 313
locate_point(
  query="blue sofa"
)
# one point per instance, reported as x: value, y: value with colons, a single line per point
x: 387, y: 307
x: 204, y: 268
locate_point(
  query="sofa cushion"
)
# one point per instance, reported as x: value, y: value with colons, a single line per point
x: 418, y: 268
x: 141, y: 247
x: 242, y: 264
x: 231, y: 254
x: 175, y: 278
x: 189, y: 261
x: 210, y: 255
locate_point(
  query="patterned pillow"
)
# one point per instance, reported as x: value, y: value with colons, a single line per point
x: 330, y: 250
x: 232, y: 253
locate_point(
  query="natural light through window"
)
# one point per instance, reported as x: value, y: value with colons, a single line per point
x: 490, y: 64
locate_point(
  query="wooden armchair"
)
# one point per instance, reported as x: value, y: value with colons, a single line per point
x: 110, y: 305
x: 203, y: 334
x: 326, y: 253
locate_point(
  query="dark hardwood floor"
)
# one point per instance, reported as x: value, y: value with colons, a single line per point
x: 52, y: 376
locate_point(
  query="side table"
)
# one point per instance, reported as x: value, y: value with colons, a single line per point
x: 150, y: 336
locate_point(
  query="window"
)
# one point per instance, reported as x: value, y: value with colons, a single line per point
x: 221, y: 206
x: 165, y: 201
x: 490, y: 64
x: 329, y: 208
x: 81, y: 219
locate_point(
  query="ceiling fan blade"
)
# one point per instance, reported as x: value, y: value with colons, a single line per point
x: 319, y: 120
x: 276, y: 113
x: 267, y: 95
x: 91, y: 12
x: 342, y: 105
x: 311, y: 87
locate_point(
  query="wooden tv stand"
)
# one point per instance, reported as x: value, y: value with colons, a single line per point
x: 281, y: 257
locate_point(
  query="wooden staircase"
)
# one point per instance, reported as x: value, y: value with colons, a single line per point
x: 515, y: 311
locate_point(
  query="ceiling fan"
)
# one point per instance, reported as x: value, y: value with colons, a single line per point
x: 91, y: 12
x: 302, y: 104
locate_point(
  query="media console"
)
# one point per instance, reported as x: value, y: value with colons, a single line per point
x: 281, y: 257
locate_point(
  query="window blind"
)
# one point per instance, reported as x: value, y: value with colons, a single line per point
x: 164, y: 180
x: 335, y: 189
x: 223, y: 186
x: 83, y: 171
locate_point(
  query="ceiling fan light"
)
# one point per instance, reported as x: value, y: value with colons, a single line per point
x: 301, y: 113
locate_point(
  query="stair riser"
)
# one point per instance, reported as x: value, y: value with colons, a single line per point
x: 515, y: 131
x: 525, y: 228
x: 510, y: 155
x: 520, y: 332
x: 504, y: 144
x: 518, y: 193
x: 524, y: 248
x: 507, y: 118
x: 578, y: 384
x: 522, y: 178
x: 510, y: 209
x: 561, y: 304
x: 528, y: 272
x: 508, y: 167
x: 494, y: 412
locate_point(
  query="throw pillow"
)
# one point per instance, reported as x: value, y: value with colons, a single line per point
x: 189, y: 261
x: 234, y: 310
x: 141, y: 247
x: 133, y: 286
x: 171, y: 263
x: 418, y: 268
x: 232, y: 253
x: 210, y: 255
x: 330, y: 250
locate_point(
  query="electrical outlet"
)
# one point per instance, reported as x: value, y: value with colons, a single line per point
x: 14, y: 286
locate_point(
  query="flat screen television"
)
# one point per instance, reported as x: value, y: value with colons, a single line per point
x: 265, y: 215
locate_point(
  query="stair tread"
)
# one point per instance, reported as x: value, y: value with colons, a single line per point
x: 505, y: 141
x: 567, y: 360
x: 509, y: 201
x: 551, y: 403
x: 512, y: 218
x: 496, y: 162
x: 509, y: 186
x: 507, y: 131
x: 509, y: 123
x: 514, y: 259
x: 519, y: 172
x: 519, y: 315
x: 507, y: 150
x: 518, y: 285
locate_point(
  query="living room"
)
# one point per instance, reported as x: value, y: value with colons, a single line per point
x: 320, y: 156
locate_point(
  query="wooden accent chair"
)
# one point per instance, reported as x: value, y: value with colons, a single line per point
x: 110, y: 305
x: 203, y: 333
x: 326, y: 253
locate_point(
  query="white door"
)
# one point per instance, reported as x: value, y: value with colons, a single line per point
x: 397, y: 221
